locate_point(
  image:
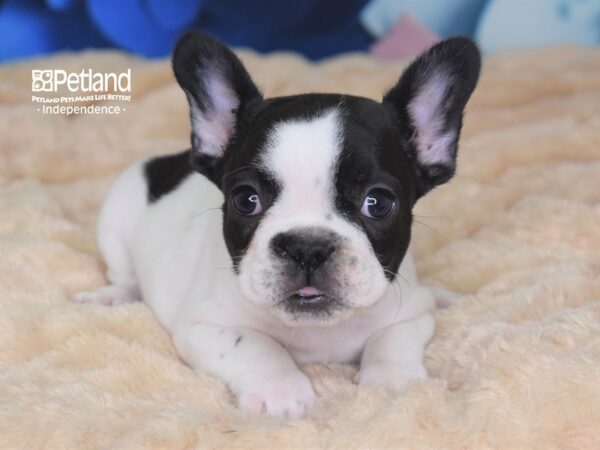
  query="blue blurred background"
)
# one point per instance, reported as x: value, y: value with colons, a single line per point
x: 314, y: 28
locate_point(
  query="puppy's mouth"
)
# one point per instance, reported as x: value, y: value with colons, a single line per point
x: 310, y: 300
x: 308, y: 296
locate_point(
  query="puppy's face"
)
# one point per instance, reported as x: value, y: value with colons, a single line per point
x: 319, y: 188
x: 317, y: 210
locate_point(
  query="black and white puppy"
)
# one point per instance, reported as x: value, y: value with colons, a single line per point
x: 281, y: 237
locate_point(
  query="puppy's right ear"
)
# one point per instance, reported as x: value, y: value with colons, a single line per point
x: 217, y: 87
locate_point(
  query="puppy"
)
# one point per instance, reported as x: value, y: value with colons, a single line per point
x: 281, y: 237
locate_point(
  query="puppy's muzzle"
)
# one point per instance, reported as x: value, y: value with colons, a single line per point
x: 306, y: 255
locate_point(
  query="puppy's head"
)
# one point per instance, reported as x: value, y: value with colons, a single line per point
x: 319, y: 188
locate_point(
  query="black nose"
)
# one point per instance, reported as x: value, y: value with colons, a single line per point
x: 308, y: 248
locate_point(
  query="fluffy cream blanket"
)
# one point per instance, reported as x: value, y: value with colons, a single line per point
x: 514, y: 364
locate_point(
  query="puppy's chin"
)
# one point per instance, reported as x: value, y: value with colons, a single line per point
x: 328, y: 314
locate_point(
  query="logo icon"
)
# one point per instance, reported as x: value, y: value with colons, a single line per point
x: 42, y: 81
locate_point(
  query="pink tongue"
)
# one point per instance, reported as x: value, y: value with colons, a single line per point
x: 308, y: 291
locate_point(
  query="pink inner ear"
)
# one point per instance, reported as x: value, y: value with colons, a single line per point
x: 216, y: 126
x: 433, y: 145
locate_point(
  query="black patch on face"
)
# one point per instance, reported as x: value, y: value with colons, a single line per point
x: 238, y: 228
x: 165, y: 173
x: 374, y: 155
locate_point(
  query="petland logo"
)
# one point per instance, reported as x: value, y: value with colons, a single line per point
x: 84, y: 81
x: 100, y: 91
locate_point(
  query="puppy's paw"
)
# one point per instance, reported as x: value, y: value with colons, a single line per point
x: 290, y: 395
x: 106, y: 295
x: 389, y: 376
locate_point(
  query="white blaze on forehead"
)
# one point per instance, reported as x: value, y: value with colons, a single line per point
x: 302, y: 156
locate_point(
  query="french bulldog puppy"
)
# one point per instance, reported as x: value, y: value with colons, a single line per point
x: 281, y: 237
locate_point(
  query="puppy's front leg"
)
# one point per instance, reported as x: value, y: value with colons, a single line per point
x: 255, y: 367
x: 394, y: 356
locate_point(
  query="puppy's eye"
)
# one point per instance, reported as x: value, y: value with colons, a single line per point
x: 378, y: 204
x: 247, y: 201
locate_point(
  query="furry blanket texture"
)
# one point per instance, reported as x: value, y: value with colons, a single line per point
x: 514, y: 364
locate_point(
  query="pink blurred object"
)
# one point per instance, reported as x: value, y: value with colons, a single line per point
x: 405, y: 39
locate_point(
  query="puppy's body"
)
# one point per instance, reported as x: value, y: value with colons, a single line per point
x: 187, y: 278
x: 281, y: 238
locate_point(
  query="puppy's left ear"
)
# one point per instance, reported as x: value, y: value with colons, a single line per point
x: 218, y: 88
x: 429, y: 101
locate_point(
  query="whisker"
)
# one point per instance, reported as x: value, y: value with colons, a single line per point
x: 431, y: 229
x: 432, y: 217
x: 399, y: 297
x: 202, y: 212
x: 238, y: 257
x: 395, y: 274
x: 397, y: 294
x: 249, y: 166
